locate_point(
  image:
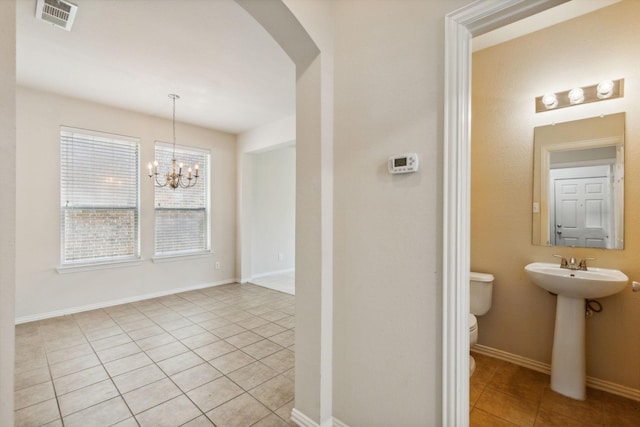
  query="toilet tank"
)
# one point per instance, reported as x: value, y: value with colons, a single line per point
x: 480, y: 289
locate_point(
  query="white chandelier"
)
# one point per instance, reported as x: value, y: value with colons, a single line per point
x: 174, y: 178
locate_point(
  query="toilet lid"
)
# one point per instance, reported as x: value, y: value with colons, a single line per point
x: 473, y: 322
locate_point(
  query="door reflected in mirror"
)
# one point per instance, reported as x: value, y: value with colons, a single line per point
x: 578, y: 183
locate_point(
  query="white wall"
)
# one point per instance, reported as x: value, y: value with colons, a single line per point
x: 274, y: 210
x: 7, y: 206
x: 40, y: 289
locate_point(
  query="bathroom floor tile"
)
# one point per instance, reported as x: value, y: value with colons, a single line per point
x: 518, y: 411
x: 480, y: 418
x: 520, y: 382
x: 552, y: 419
x: 506, y: 393
x: 590, y: 410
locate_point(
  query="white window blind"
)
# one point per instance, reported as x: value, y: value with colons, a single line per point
x: 182, y: 215
x: 99, y: 197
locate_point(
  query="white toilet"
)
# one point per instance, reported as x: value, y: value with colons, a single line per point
x: 480, y: 289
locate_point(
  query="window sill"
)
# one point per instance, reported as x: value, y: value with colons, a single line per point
x: 180, y: 257
x: 64, y: 269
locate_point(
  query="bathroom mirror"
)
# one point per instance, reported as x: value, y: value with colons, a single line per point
x: 578, y: 183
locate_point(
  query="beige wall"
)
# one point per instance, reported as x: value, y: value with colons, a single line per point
x: 40, y: 290
x: 506, y: 80
x: 273, y: 210
x: 266, y: 137
x: 7, y: 207
x: 387, y: 290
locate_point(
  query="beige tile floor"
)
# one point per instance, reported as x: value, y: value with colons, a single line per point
x: 504, y: 394
x: 220, y: 356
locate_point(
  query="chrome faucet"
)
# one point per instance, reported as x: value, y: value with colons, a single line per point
x: 571, y: 264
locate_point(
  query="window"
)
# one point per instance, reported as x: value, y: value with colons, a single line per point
x: 99, y: 197
x: 182, y: 215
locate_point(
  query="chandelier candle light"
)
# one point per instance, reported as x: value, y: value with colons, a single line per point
x: 174, y: 178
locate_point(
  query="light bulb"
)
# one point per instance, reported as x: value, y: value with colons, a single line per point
x: 576, y: 95
x: 605, y: 89
x: 550, y: 100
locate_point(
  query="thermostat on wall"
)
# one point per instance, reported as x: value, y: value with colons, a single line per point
x: 403, y: 163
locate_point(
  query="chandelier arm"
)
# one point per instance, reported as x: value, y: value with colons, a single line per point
x: 188, y: 184
x: 157, y: 183
x: 182, y: 184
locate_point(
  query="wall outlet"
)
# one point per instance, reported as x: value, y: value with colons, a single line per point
x: 217, y: 265
x: 280, y: 256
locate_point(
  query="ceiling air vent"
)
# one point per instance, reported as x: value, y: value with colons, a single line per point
x: 60, y: 13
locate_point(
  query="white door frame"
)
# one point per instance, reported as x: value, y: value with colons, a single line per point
x: 472, y: 20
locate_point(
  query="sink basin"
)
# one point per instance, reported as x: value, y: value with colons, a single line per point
x: 593, y: 283
x: 568, y: 359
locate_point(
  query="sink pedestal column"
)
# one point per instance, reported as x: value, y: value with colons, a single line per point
x: 568, y: 361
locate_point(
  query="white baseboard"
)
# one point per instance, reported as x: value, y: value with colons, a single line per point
x: 303, y: 421
x: 338, y: 423
x: 271, y: 273
x: 525, y: 362
x: 72, y: 310
x: 545, y: 368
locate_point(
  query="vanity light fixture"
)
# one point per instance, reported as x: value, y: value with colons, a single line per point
x: 607, y: 89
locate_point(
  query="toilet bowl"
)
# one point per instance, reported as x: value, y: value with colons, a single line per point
x: 473, y: 339
x: 480, y: 291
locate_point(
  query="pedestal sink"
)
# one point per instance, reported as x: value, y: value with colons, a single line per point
x: 568, y: 362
